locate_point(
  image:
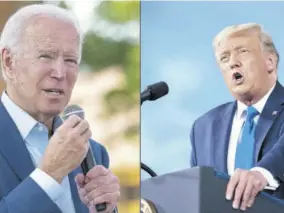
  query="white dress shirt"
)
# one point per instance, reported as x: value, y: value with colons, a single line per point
x: 237, y: 125
x: 35, y: 136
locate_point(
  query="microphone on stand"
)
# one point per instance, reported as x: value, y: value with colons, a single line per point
x: 152, y: 93
x: 89, y: 161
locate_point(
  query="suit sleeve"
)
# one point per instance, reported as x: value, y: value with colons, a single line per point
x: 27, y: 197
x: 272, y: 160
x: 193, y: 161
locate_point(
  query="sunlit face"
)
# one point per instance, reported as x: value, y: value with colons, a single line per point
x: 244, y: 64
x: 44, y: 72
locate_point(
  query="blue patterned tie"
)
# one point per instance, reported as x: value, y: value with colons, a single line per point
x: 245, y: 147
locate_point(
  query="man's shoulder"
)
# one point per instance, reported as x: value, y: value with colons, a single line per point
x: 215, y: 113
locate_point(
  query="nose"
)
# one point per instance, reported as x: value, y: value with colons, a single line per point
x: 58, y: 69
x: 234, y: 62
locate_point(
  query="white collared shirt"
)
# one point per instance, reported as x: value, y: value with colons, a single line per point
x: 35, y: 136
x: 238, y: 122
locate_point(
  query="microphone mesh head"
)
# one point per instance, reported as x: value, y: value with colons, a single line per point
x: 73, y: 110
x: 158, y: 90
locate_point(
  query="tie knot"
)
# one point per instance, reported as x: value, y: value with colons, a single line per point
x: 251, y: 112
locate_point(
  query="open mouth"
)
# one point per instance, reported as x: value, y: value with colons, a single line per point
x: 54, y: 91
x: 238, y: 77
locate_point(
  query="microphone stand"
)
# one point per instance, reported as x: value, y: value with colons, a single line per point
x: 148, y: 170
x: 144, y: 166
x: 144, y: 96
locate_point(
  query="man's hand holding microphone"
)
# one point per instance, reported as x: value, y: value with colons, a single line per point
x: 66, y: 150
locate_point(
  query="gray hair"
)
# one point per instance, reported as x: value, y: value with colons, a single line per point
x: 16, y: 24
x: 265, y: 39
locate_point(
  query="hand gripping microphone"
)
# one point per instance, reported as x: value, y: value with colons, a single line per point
x: 89, y: 161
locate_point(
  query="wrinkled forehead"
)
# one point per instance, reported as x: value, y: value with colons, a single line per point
x: 50, y: 33
x: 236, y: 41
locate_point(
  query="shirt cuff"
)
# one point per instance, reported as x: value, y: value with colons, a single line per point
x: 50, y: 186
x: 272, y: 182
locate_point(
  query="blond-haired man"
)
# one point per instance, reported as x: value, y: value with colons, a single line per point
x: 245, y: 138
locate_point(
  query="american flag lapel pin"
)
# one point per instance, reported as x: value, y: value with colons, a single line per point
x: 274, y: 113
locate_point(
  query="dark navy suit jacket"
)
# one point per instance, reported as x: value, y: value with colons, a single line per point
x: 18, y: 192
x: 210, y: 136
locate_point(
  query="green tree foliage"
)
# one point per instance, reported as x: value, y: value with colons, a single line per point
x: 120, y: 11
x: 62, y: 4
x: 127, y: 55
x: 100, y: 52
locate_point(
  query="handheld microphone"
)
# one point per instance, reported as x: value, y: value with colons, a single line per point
x: 154, y: 91
x: 89, y: 161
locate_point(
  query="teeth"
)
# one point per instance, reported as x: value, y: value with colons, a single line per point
x: 55, y: 92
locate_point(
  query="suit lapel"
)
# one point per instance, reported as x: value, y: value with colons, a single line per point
x: 272, y: 107
x: 221, y: 130
x: 13, y: 147
x: 79, y: 206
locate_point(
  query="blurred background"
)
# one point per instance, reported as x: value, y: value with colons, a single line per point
x: 176, y: 48
x: 108, y: 86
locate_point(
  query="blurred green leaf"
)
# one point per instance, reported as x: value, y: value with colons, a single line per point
x: 132, y: 69
x: 99, y: 52
x: 119, y: 11
x: 118, y: 100
x: 132, y: 132
x: 62, y: 4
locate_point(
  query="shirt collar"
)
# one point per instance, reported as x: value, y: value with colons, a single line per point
x: 24, y: 122
x: 241, y: 107
x: 22, y: 119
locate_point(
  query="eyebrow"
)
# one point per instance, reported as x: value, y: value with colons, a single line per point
x: 67, y: 53
x: 236, y: 48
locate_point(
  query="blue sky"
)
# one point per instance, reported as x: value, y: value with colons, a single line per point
x: 176, y: 48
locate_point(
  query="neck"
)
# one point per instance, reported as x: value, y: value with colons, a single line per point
x: 251, y: 99
x: 47, y: 120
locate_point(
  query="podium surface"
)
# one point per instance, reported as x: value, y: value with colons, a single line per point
x: 199, y: 190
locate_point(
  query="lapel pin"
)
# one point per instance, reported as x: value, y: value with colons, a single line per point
x: 274, y: 113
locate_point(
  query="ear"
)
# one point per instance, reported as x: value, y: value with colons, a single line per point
x: 271, y: 62
x: 7, y: 63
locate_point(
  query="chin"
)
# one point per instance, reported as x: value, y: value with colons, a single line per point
x: 240, y: 92
x: 241, y: 89
x: 243, y: 95
x: 53, y: 109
